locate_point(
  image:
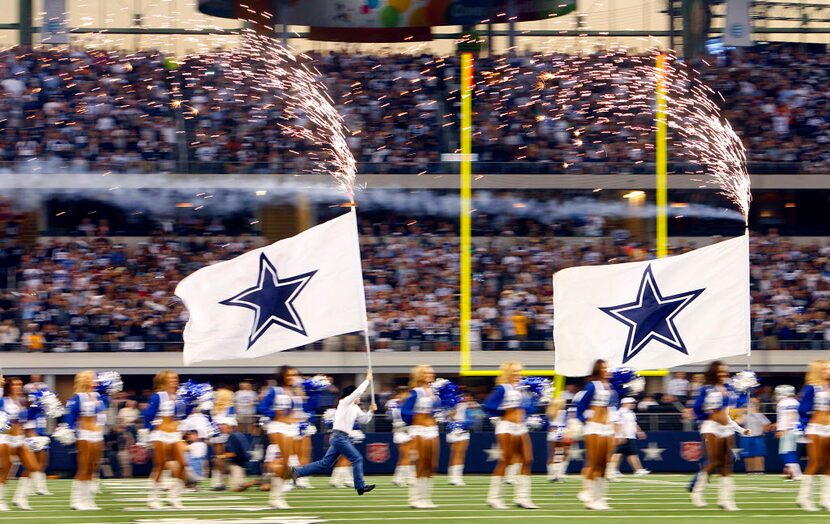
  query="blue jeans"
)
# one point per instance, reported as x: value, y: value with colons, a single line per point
x: 340, y: 444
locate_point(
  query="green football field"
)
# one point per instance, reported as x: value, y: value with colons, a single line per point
x: 656, y: 498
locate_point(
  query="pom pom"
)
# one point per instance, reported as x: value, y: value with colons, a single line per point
x: 535, y: 422
x: 448, y: 393
x: 357, y: 435
x: 38, y: 444
x: 47, y: 402
x: 626, y: 381
x: 109, y: 383
x: 309, y: 430
x: 65, y: 435
x: 194, y: 393
x: 316, y: 384
x: 5, y: 422
x: 328, y: 417
x: 574, y: 430
x: 745, y: 380
x: 143, y: 437
x: 540, y: 388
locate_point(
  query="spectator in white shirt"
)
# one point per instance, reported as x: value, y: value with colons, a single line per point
x: 678, y: 386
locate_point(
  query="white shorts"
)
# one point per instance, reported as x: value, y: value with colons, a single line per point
x: 401, y: 436
x: 284, y: 428
x: 423, y: 431
x: 12, y: 441
x: 710, y: 427
x: 164, y: 437
x: 510, y: 428
x: 272, y: 452
x: 219, y: 439
x: 457, y: 436
x: 822, y: 430
x: 90, y: 436
x: 595, y: 428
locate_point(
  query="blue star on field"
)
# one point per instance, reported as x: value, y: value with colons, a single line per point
x: 651, y: 316
x: 272, y: 300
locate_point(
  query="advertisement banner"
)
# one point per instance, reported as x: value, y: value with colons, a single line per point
x: 54, y: 23
x: 738, y: 29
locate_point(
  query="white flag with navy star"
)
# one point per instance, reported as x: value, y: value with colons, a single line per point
x: 654, y: 314
x: 291, y: 293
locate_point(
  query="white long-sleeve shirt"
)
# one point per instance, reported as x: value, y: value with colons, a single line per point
x: 347, y: 411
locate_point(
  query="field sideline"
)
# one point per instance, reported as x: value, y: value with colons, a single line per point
x: 655, y: 498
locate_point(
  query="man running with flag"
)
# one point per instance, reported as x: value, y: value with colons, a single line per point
x: 348, y: 411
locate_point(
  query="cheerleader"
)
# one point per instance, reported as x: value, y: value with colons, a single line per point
x: 162, y: 417
x: 596, y: 409
x: 37, y: 431
x: 714, y: 400
x: 305, y: 429
x: 558, y: 443
x: 510, y: 405
x: 815, y: 417
x: 418, y: 412
x: 404, y: 474
x: 279, y: 405
x: 222, y: 409
x: 787, y: 429
x: 458, y: 438
x: 83, y: 413
x: 13, y: 443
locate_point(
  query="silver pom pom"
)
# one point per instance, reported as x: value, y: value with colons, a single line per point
x: 745, y: 380
x: 636, y: 386
x: 534, y: 422
x: 38, y: 444
x: 5, y: 423
x: 111, y: 381
x: 65, y: 435
x: 51, y: 404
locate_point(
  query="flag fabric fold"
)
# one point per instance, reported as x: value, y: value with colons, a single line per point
x: 285, y: 295
x: 654, y: 314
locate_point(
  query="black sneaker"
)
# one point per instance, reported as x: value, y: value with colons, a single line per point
x: 294, y: 475
x: 365, y: 489
x: 218, y: 488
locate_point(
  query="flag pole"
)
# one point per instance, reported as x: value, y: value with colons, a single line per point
x: 365, y: 309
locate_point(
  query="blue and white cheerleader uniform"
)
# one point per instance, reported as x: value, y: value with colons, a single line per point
x: 91, y: 404
x: 711, y: 399
x: 814, y: 399
x: 277, y: 401
x: 459, y: 426
x: 557, y: 426
x: 421, y: 401
x: 597, y: 394
x: 162, y: 405
x: 400, y: 431
x: 787, y: 422
x: 17, y: 415
x: 504, y: 397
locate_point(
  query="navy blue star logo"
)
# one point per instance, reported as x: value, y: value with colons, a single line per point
x: 272, y: 300
x: 651, y: 317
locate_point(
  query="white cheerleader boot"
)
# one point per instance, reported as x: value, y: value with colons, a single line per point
x: 522, y: 497
x: 338, y: 477
x: 698, y: 490
x: 216, y: 483
x: 426, y: 493
x: 40, y: 483
x: 153, y: 500
x: 551, y: 471
x: 455, y: 475
x: 276, y: 497
x: 21, y: 494
x: 726, y: 494
x: 805, y: 494
x: 3, y: 505
x: 74, y: 495
x: 596, y: 502
x: 510, y: 473
x: 410, y: 475
x: 584, y: 494
x: 88, y: 496
x: 415, y: 495
x: 348, y: 477
x: 825, y: 491
x: 494, y: 499
x: 398, y: 478
x: 174, y: 497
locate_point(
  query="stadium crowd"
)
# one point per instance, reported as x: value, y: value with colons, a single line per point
x: 90, y: 293
x: 95, y: 110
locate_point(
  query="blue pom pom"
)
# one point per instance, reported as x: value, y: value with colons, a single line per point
x: 456, y: 426
x: 194, y: 392
x: 449, y: 394
x: 538, y: 387
x: 626, y: 381
x: 316, y: 384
